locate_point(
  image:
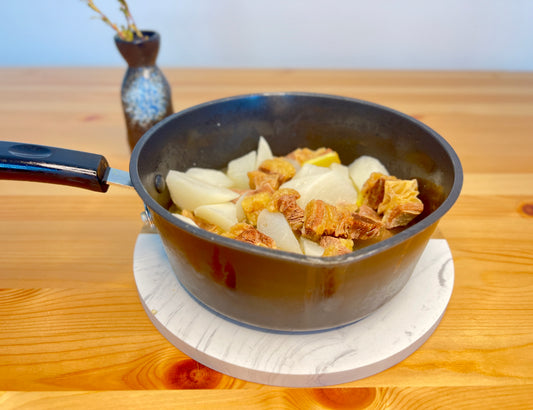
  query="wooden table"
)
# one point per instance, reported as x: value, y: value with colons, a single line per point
x: 74, y: 334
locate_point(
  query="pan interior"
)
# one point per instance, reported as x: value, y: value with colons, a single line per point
x: 212, y: 134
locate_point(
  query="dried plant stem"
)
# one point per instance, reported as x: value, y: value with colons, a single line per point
x: 127, y: 33
x: 129, y: 18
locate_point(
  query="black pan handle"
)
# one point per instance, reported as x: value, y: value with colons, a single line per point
x: 39, y: 163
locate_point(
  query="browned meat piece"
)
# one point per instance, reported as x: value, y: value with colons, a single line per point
x: 284, y: 201
x: 344, y: 219
x: 301, y: 155
x: 344, y: 225
x: 247, y: 233
x: 364, y: 228
x: 278, y: 166
x: 320, y: 219
x: 274, y: 172
x: 335, y: 246
x: 347, y: 209
x: 254, y: 203
x: 367, y: 212
x: 261, y: 180
x: 400, y: 203
x: 374, y: 189
x: 355, y: 225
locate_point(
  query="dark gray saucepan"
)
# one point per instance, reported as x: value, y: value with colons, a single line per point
x: 258, y: 286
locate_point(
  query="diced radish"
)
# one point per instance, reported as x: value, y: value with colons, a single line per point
x: 223, y: 215
x: 332, y: 187
x: 238, y: 169
x: 263, y: 151
x: 211, y: 176
x: 190, y: 193
x: 362, y: 167
x: 276, y: 226
x: 239, y: 210
x: 185, y: 219
x: 311, y: 248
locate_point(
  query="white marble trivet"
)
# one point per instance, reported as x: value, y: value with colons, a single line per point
x: 312, y: 359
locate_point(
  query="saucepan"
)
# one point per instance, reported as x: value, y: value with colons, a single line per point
x: 258, y: 286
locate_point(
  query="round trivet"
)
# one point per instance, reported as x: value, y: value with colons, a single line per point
x: 312, y: 359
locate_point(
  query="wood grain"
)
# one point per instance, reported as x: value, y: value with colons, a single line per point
x: 467, y: 398
x: 72, y: 330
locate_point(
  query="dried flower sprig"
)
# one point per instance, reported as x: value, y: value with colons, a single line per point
x: 128, y: 32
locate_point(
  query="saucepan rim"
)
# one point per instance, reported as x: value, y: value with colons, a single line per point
x: 348, y: 258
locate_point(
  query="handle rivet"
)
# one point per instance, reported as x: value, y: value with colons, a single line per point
x: 159, y: 183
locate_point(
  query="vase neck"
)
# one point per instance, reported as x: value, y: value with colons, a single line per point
x: 141, y: 51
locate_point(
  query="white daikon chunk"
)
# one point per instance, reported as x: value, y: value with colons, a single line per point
x: 238, y: 169
x: 263, y: 151
x: 342, y: 169
x: 311, y: 248
x: 238, y: 207
x: 275, y: 225
x: 211, y: 176
x: 190, y: 193
x: 332, y: 187
x: 309, y: 170
x: 361, y: 169
x: 185, y: 219
x: 223, y: 215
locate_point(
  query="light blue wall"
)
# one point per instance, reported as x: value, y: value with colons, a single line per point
x: 379, y: 34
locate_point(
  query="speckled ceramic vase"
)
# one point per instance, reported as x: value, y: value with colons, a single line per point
x: 145, y: 93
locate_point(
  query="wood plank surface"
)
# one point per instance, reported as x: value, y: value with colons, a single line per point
x: 73, y: 333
